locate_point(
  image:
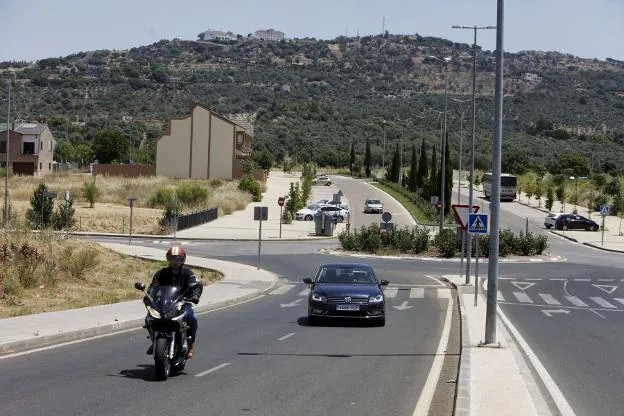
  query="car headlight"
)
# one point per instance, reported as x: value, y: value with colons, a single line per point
x: 153, y: 312
x: 375, y: 299
x: 318, y: 298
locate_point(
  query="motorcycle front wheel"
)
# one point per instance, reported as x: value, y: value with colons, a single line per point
x: 162, y: 364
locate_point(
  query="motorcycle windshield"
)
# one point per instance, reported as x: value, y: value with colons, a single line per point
x: 165, y: 297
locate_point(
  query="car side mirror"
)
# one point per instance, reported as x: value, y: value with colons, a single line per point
x: 307, y: 281
x: 384, y: 283
x: 139, y: 286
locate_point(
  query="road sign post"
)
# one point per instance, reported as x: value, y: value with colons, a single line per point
x: 260, y: 214
x: 460, y: 212
x: 131, y: 201
x: 604, y: 211
x: 477, y: 224
x: 280, y: 202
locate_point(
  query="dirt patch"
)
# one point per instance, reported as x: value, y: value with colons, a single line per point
x: 42, y: 273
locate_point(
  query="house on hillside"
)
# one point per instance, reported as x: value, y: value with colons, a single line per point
x: 31, y: 148
x: 203, y: 145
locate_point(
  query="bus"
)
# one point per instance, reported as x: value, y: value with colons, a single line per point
x: 509, y: 186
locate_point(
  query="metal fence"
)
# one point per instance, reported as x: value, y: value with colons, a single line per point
x: 195, y: 218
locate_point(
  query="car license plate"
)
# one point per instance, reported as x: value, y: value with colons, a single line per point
x: 347, y: 307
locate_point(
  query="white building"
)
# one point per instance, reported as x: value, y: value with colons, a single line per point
x: 269, y: 34
x: 218, y: 35
x: 528, y: 76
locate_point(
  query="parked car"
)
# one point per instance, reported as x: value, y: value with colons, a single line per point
x: 336, y: 211
x: 346, y: 290
x: 322, y: 180
x: 307, y: 213
x: 551, y: 219
x: 373, y: 206
x: 575, y: 222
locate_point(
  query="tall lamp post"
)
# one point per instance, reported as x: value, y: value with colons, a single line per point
x: 8, y: 153
x: 461, y: 141
x: 403, y: 123
x: 474, y: 126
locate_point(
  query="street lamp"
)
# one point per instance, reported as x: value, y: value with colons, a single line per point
x: 461, y: 141
x: 403, y: 123
x: 474, y: 126
x: 445, y: 61
x: 8, y: 152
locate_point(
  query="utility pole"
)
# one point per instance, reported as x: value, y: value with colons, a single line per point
x: 6, y: 170
x: 492, y: 285
x: 443, y: 149
x: 474, y: 127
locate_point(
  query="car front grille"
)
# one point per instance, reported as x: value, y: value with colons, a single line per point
x: 341, y: 299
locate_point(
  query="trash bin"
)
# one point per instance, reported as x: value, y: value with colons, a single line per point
x: 324, y: 225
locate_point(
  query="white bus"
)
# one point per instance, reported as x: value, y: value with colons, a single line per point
x: 509, y: 186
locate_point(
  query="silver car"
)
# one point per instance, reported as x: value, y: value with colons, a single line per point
x: 322, y: 180
x: 552, y: 218
x: 373, y: 206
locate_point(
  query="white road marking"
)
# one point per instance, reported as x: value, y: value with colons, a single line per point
x: 212, y: 370
x: 443, y: 293
x: 619, y: 300
x: 599, y: 314
x: 304, y: 292
x: 417, y: 293
x: 600, y: 301
x: 522, y: 297
x: 426, y: 395
x: 549, y: 299
x: 523, y: 285
x: 391, y: 292
x: 582, y: 280
x: 500, y: 297
x: 576, y: 301
x: 562, y: 404
x: 286, y: 336
x: 282, y: 290
x: 608, y: 289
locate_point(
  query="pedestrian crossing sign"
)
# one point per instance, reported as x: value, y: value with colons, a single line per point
x: 477, y: 223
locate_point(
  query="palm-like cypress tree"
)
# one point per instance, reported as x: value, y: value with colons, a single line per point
x: 413, y: 170
x: 368, y: 159
x: 423, y: 169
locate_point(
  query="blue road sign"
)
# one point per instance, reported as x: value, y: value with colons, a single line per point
x: 477, y: 223
x: 604, y: 210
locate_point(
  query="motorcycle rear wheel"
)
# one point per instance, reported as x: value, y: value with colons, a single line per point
x: 162, y: 364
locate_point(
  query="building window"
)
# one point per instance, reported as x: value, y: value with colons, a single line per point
x: 49, y: 166
x: 3, y: 146
x: 41, y: 145
x: 40, y: 165
x: 29, y: 148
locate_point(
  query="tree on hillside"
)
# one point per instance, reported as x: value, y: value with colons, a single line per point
x: 413, y: 173
x: 550, y: 198
x: 39, y: 215
x: 352, y: 158
x: 110, y: 146
x: 368, y: 159
x: 434, y: 175
x: 560, y: 192
x: 423, y: 170
x: 395, y: 169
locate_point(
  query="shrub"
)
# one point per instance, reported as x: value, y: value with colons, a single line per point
x: 506, y: 243
x: 191, y: 194
x: 484, y: 245
x: 216, y: 183
x: 63, y: 217
x: 160, y: 198
x: 347, y: 241
x: 446, y: 243
x: 541, y: 243
x: 39, y: 215
x: 421, y: 240
x: 248, y: 184
x: 78, y: 263
x: 91, y: 192
x: 287, y: 217
x: 26, y: 259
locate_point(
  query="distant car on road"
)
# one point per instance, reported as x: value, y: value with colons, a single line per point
x: 373, y: 206
x: 337, y: 211
x: 346, y: 290
x: 551, y: 219
x: 307, y: 213
x: 322, y: 180
x: 575, y: 222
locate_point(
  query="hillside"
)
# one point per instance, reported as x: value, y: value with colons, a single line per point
x: 305, y: 93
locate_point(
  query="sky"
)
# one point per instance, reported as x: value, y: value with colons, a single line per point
x: 37, y: 29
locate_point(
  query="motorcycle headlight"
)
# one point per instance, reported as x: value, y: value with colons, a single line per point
x: 318, y: 298
x: 153, y: 312
x: 375, y: 299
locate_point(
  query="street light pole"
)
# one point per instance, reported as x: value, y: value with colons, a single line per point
x: 6, y: 168
x: 383, y: 155
x: 474, y: 126
x: 443, y: 148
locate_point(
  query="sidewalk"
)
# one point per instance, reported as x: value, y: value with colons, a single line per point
x: 240, y: 283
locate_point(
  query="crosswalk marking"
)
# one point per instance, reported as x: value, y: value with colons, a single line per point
x: 417, y: 292
x: 444, y: 293
x: 576, y: 301
x: 391, y: 292
x: 619, y: 300
x: 500, y: 296
x: 282, y: 290
x: 549, y: 299
x: 522, y: 297
x: 600, y: 301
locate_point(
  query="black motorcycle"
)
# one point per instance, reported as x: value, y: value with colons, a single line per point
x: 167, y: 320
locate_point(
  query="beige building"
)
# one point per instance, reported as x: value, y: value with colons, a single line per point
x: 203, y: 145
x: 31, y: 146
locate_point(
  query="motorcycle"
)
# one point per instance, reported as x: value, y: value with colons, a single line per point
x: 167, y: 320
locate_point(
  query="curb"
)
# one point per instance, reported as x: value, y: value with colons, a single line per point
x: 177, y: 238
x: 462, y: 394
x: 612, y: 250
x: 484, y: 260
x: 107, y: 329
x: 564, y: 236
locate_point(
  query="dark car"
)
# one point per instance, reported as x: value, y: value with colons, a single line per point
x: 575, y: 222
x: 346, y: 290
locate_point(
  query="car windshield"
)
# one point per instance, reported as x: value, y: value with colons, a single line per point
x: 374, y: 201
x: 313, y: 207
x: 345, y: 275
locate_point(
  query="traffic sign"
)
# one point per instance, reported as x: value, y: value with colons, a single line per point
x: 386, y: 216
x: 460, y: 211
x: 280, y: 201
x: 604, y: 210
x: 477, y: 223
x: 261, y: 213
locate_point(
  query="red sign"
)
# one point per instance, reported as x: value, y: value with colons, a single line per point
x: 461, y: 211
x: 280, y: 201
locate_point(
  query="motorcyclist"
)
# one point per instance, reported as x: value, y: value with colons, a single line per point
x: 181, y: 276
